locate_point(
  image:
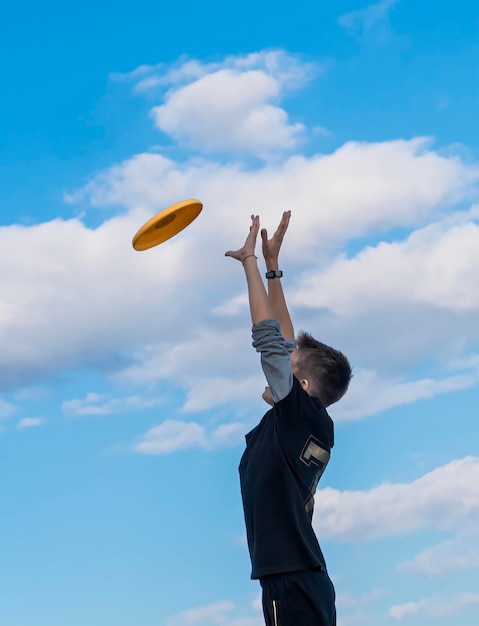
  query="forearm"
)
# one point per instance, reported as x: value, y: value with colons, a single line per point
x: 275, y: 359
x: 277, y: 302
x: 259, y: 303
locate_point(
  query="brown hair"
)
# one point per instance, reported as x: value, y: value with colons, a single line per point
x: 327, y: 370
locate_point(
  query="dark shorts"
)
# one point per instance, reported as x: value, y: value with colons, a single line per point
x: 303, y: 598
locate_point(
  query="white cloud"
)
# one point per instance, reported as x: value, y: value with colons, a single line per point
x: 232, y: 105
x: 435, y: 606
x: 84, y: 310
x: 436, y: 265
x: 220, y: 613
x: 227, y: 111
x: 174, y: 435
x: 446, y: 498
x: 30, y: 422
x: 454, y: 555
x: 102, y: 404
x: 365, y: 19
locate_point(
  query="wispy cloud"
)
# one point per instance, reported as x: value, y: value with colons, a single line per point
x: 355, y: 610
x: 364, y: 20
x: 37, y: 394
x: 30, y: 422
x: 6, y: 409
x: 288, y: 69
x: 370, y: 393
x: 435, y: 607
x: 173, y: 435
x: 101, y: 404
x: 219, y: 613
x: 447, y: 557
x: 347, y: 601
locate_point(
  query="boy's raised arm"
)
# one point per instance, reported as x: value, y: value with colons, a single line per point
x: 267, y: 336
x: 258, y: 298
x: 277, y: 301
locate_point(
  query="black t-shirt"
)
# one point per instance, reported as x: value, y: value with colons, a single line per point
x: 284, y: 458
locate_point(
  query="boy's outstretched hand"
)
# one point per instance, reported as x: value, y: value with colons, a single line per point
x: 271, y: 247
x: 250, y: 243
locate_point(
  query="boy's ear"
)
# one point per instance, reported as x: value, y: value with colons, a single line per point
x: 305, y: 384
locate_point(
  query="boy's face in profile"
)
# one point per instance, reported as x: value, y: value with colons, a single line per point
x: 267, y: 397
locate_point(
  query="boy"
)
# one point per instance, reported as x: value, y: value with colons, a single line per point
x: 289, y: 449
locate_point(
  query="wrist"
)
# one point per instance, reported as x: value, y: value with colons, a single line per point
x: 272, y: 265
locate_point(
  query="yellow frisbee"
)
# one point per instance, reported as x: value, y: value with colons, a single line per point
x: 166, y: 224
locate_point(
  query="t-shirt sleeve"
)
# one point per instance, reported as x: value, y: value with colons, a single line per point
x: 275, y: 359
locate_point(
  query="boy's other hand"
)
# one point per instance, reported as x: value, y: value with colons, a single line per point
x: 271, y: 247
x: 249, y: 244
x: 267, y: 397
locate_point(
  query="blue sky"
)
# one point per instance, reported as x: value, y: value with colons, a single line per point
x: 127, y: 380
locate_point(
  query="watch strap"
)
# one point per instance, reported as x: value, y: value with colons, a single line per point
x: 274, y: 274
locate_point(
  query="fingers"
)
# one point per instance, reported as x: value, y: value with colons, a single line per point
x: 254, y: 228
x: 285, y: 218
x: 283, y: 225
x: 284, y: 221
x: 249, y: 244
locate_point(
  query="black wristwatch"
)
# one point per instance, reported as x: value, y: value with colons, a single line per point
x: 274, y: 274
